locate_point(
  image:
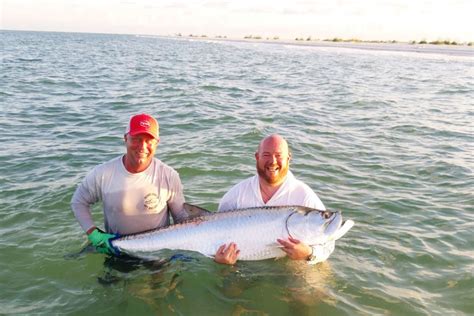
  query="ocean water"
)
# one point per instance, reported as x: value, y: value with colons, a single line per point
x: 386, y: 137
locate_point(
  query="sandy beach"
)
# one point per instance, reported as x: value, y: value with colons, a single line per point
x: 457, y: 50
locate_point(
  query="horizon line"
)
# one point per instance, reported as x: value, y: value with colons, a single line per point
x: 257, y: 37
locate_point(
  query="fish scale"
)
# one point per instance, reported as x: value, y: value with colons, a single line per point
x: 254, y: 230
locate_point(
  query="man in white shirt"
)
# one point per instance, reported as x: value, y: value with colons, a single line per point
x: 138, y: 191
x: 274, y: 185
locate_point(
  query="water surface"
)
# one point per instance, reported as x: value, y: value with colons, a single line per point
x: 384, y: 136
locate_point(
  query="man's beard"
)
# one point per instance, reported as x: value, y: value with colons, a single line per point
x: 273, y: 180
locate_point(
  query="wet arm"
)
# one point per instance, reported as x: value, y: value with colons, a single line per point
x: 81, y: 202
x: 176, y: 201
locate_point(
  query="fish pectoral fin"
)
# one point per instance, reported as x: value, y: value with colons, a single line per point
x: 195, y: 211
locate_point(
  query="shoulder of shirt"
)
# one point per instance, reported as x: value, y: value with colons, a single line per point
x: 303, y: 185
x: 117, y: 163
x: 307, y: 191
x: 161, y: 165
x: 103, y: 167
x: 230, y: 198
x: 237, y: 189
x: 311, y: 197
x: 298, y: 183
x: 242, y: 184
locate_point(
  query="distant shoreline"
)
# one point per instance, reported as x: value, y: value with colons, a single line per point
x: 457, y: 50
x: 463, y: 49
x: 333, y: 40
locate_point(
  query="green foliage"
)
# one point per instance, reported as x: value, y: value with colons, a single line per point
x: 444, y: 42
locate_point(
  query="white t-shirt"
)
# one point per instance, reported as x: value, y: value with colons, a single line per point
x: 291, y: 192
x: 132, y: 202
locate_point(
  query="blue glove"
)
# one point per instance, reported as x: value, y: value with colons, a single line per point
x: 101, y: 241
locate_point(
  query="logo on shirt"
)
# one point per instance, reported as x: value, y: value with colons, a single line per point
x: 151, y: 201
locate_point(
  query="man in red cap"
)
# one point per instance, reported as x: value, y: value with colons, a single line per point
x: 137, y: 190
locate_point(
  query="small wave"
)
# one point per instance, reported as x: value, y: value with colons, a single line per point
x: 455, y: 90
x: 30, y: 60
x: 211, y: 88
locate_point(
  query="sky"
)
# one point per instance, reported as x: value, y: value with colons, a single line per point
x: 401, y: 20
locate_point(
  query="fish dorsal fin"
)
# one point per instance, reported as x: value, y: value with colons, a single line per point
x: 195, y: 211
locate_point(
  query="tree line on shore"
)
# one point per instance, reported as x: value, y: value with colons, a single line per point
x: 339, y: 40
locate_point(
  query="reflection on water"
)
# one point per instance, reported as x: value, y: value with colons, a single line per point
x: 310, y: 283
x: 265, y: 287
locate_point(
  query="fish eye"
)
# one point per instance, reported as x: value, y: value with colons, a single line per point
x: 326, y: 214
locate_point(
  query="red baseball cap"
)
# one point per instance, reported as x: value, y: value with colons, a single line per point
x: 143, y: 124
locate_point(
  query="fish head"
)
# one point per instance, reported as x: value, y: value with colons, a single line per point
x: 314, y: 226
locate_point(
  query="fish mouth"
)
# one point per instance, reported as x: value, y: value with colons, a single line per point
x: 343, y: 229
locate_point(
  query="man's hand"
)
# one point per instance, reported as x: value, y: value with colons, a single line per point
x: 227, y: 255
x: 295, y: 249
x: 101, y: 241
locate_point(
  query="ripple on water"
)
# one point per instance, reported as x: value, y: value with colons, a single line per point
x: 383, y: 137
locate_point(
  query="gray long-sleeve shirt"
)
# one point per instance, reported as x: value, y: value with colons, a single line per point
x: 132, y: 202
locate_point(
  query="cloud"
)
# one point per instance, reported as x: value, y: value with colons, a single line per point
x: 367, y: 19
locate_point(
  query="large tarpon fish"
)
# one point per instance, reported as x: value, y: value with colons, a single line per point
x: 254, y: 230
